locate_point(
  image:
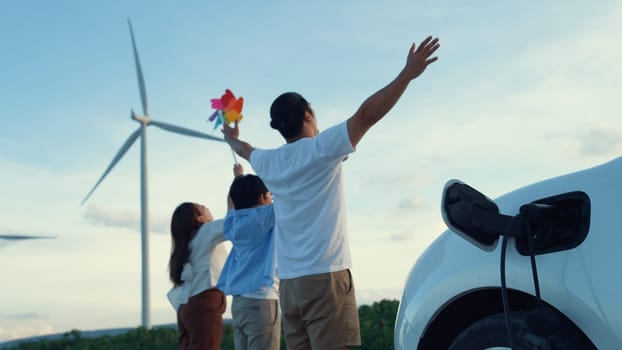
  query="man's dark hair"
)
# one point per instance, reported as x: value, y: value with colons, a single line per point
x: 287, y: 114
x: 246, y: 190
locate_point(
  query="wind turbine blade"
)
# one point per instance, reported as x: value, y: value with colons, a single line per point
x: 128, y: 143
x: 139, y: 73
x: 17, y: 237
x: 184, y: 131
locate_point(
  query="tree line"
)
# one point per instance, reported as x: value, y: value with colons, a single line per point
x: 377, y: 323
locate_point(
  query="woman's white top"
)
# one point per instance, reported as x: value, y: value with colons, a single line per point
x: 201, y: 272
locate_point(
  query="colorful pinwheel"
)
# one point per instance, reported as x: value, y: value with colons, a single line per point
x: 228, y: 109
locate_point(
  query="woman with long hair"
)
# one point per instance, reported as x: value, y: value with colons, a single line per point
x: 197, y: 257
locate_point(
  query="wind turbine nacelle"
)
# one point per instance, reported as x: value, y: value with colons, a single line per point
x: 145, y: 119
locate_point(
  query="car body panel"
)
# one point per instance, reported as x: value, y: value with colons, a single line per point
x: 582, y: 283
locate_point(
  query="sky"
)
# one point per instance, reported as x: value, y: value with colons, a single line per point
x: 522, y: 91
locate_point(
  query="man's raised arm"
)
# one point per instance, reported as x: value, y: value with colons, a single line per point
x: 379, y: 104
x: 243, y: 149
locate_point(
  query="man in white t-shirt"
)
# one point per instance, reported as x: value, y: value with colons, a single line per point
x: 305, y: 178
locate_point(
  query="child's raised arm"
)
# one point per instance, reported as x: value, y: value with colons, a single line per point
x: 238, y: 171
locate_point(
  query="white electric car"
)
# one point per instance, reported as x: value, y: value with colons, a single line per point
x: 536, y: 268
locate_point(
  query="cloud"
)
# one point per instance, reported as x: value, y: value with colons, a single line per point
x: 111, y: 217
x: 401, y: 236
x: 23, y: 316
x: 392, y: 180
x: 600, y: 141
x: 21, y: 330
x: 410, y: 203
x: 409, y: 211
x: 23, y: 325
x: 124, y: 219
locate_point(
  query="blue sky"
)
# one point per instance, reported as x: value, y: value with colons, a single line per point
x: 522, y: 91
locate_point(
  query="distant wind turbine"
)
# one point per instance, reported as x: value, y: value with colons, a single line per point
x: 23, y: 237
x: 144, y: 121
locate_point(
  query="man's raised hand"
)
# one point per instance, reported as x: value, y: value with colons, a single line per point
x: 419, y: 57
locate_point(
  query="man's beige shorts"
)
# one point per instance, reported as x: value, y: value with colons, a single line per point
x: 319, y: 311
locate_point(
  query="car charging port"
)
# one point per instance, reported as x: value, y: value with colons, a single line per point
x: 543, y: 226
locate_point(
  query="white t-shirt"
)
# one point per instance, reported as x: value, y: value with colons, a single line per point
x: 305, y: 179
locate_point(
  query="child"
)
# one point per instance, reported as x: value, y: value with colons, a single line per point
x: 196, y: 260
x: 249, y: 273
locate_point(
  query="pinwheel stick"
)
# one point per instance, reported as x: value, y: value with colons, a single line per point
x: 235, y: 159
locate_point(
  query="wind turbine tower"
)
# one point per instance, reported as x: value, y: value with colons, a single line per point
x: 144, y: 120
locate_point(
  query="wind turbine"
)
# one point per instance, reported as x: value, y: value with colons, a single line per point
x: 144, y: 120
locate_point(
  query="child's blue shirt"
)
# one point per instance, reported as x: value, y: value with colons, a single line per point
x: 250, y: 269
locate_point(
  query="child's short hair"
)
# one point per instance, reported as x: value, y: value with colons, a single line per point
x: 245, y: 191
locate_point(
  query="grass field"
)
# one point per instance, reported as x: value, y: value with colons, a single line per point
x: 377, y: 323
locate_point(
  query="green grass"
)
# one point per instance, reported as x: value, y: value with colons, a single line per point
x: 377, y: 323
